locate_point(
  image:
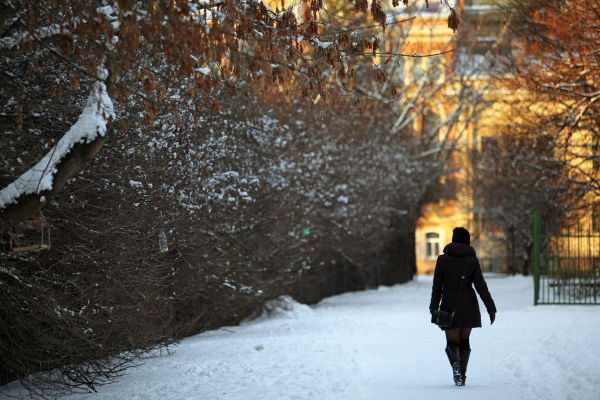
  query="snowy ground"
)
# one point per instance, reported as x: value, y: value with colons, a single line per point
x: 379, y: 344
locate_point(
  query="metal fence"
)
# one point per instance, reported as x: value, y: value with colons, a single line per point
x: 566, y: 262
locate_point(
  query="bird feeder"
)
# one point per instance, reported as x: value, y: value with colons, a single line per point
x: 30, y: 235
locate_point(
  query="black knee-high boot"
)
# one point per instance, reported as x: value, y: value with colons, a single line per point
x: 453, y: 353
x: 464, y: 350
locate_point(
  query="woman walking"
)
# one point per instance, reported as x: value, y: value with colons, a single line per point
x: 455, y: 272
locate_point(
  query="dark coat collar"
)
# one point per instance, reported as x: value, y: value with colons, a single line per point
x: 455, y: 249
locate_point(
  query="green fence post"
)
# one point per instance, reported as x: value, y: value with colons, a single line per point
x: 537, y: 228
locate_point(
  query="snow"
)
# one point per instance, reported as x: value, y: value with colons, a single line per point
x: 482, y: 7
x: 91, y: 124
x: 379, y: 344
x: 42, y: 33
x: 323, y: 45
x: 343, y: 199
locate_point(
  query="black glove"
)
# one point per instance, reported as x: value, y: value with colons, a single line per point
x: 492, y: 318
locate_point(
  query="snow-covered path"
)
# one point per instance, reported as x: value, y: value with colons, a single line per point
x: 379, y: 344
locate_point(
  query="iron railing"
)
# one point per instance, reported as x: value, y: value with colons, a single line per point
x: 566, y: 262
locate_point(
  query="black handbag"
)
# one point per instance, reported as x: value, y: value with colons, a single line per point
x: 444, y: 319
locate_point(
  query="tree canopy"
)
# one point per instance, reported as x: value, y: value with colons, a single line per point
x: 161, y: 51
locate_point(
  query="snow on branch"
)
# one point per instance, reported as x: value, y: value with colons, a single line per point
x: 92, y: 124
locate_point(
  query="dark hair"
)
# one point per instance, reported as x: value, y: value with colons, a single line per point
x: 461, y: 235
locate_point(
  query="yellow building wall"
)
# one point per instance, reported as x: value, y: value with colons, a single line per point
x: 440, y: 218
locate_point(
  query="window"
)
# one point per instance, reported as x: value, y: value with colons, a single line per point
x: 435, y: 68
x: 596, y: 217
x: 398, y: 72
x: 416, y: 70
x: 431, y: 124
x: 433, y: 244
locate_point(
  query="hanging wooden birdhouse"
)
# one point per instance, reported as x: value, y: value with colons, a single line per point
x: 30, y: 235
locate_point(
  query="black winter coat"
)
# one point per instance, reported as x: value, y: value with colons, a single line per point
x: 446, y: 281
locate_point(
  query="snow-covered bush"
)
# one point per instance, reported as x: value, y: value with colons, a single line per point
x: 258, y: 195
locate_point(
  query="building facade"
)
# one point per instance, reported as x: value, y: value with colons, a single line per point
x: 429, y: 33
